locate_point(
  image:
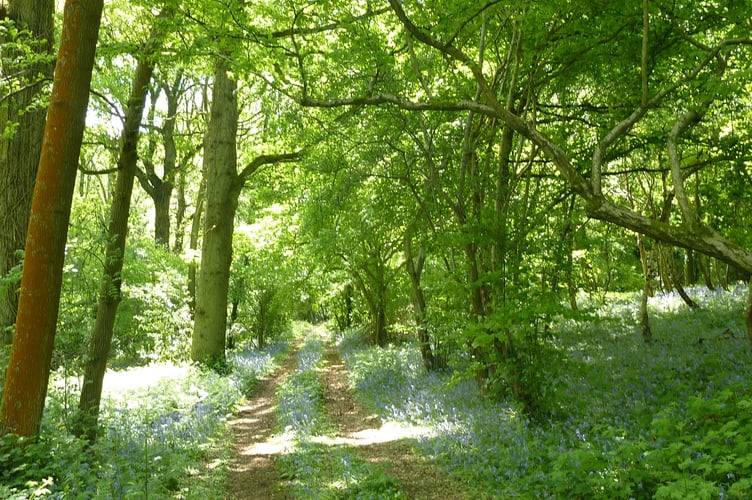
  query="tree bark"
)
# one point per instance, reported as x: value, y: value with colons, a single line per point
x: 110, y: 290
x: 222, y: 190
x: 31, y: 352
x: 647, y: 334
x: 414, y: 267
x: 193, y: 246
x: 19, y: 154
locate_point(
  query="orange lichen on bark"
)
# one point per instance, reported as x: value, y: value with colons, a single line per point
x: 31, y: 353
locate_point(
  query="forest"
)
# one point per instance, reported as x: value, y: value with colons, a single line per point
x: 355, y: 249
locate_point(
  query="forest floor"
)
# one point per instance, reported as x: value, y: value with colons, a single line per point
x: 253, y: 472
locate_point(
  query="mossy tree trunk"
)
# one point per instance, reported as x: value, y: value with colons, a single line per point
x: 223, y: 186
x: 222, y: 190
x: 109, y: 294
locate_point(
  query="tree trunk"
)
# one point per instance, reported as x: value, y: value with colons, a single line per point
x: 222, y: 190
x: 678, y: 284
x: 647, y: 334
x: 748, y: 316
x: 19, y: 154
x: 159, y: 188
x: 690, y: 270
x: 179, y: 241
x: 193, y: 246
x: 414, y: 270
x: 109, y: 294
x: 379, y: 317
x: 31, y: 352
x: 162, y: 196
x: 348, y: 305
x: 704, y: 264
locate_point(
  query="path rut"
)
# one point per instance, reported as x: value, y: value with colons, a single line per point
x: 385, y: 445
x: 252, y: 473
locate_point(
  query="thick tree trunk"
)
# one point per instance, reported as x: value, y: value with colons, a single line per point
x: 162, y: 196
x: 222, y: 190
x: 31, y: 353
x: 109, y: 294
x: 19, y: 154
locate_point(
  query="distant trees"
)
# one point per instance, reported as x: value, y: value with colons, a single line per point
x: 466, y: 169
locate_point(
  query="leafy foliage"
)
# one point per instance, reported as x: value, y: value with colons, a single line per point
x: 158, y: 440
x: 315, y: 467
x: 630, y: 422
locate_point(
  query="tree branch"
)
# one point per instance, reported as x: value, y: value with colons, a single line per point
x: 688, y: 214
x: 262, y: 160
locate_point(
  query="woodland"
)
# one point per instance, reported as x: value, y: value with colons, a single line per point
x: 515, y: 234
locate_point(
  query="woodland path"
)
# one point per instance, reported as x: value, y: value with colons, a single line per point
x: 252, y: 473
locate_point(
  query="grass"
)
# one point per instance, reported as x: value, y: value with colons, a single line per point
x: 314, y: 467
x: 667, y: 420
x: 163, y: 435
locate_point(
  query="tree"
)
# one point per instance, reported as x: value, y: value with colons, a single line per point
x: 223, y: 186
x: 222, y: 191
x: 22, y: 117
x: 611, y: 123
x: 174, y: 160
x: 110, y: 291
x: 31, y: 352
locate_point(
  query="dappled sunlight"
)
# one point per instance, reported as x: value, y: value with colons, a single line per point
x: 119, y: 381
x: 386, y: 433
x: 274, y: 445
x: 286, y: 442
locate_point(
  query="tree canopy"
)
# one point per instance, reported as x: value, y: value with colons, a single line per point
x: 460, y: 171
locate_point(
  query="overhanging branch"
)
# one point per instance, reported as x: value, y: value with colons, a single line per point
x: 262, y: 160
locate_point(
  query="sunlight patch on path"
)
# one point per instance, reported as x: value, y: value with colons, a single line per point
x: 386, y: 433
x: 275, y: 445
x: 391, y: 431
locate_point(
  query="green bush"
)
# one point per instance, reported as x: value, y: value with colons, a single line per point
x: 518, y: 354
x: 701, y: 450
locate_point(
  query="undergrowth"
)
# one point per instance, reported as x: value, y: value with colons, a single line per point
x: 163, y: 435
x: 666, y: 420
x: 315, y: 465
